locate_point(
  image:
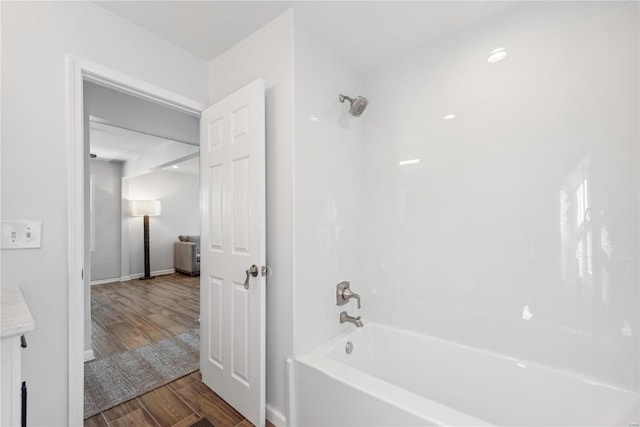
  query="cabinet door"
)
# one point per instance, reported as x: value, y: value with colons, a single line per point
x: 11, y: 382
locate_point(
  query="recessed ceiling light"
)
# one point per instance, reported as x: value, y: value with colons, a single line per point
x: 175, y: 166
x: 497, y: 55
x: 313, y: 118
x: 450, y: 117
x: 409, y: 162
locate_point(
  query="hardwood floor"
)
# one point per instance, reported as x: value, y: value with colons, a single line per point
x: 177, y: 404
x: 128, y: 315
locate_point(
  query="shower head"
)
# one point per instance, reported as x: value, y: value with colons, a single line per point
x: 358, y: 105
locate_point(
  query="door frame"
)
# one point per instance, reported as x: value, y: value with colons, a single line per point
x: 77, y: 71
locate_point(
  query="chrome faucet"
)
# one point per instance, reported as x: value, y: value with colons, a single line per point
x: 344, y: 317
x: 344, y: 294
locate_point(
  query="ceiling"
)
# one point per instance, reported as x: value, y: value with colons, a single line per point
x: 116, y: 144
x: 204, y: 28
x: 367, y: 34
x: 191, y: 166
x: 111, y: 143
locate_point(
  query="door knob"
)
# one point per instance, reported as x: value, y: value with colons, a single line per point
x: 253, y: 272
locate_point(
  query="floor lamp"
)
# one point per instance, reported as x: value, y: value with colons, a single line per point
x: 146, y: 208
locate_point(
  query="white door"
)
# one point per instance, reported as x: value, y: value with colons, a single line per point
x: 232, y: 182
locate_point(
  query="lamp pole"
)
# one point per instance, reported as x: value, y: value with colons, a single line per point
x: 147, y: 264
x: 145, y: 209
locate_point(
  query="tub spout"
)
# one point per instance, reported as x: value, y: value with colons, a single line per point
x: 344, y: 317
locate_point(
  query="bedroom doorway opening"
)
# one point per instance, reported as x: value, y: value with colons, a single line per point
x: 143, y: 333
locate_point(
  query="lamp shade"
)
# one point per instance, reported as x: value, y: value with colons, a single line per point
x: 145, y: 207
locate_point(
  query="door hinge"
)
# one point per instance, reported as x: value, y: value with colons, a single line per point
x: 82, y: 274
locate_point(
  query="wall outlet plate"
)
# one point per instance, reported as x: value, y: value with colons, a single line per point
x: 21, y: 234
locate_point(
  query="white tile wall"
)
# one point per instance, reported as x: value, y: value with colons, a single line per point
x: 328, y: 188
x: 518, y: 230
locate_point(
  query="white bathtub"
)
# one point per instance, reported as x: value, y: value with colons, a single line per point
x: 394, y: 377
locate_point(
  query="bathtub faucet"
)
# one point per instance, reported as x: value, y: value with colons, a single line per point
x: 344, y: 317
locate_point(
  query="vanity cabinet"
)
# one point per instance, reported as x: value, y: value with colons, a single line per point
x: 15, y: 322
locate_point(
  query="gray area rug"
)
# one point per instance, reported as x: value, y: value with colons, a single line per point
x: 116, y: 379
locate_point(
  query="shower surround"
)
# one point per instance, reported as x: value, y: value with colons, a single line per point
x: 518, y: 230
x: 490, y: 204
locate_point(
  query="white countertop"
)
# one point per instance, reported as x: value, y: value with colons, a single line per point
x: 16, y: 318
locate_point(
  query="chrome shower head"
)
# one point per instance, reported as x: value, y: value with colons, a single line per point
x: 358, y: 105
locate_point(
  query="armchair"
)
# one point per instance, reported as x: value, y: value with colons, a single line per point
x: 187, y: 255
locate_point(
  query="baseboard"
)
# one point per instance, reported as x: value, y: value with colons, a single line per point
x: 153, y: 273
x: 132, y: 276
x: 88, y: 355
x: 164, y: 272
x: 103, y: 281
x: 276, y: 417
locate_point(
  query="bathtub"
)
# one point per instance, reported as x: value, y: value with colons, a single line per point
x: 394, y: 377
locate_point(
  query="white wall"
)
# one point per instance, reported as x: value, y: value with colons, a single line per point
x: 179, y: 195
x: 107, y: 219
x: 268, y: 54
x: 328, y: 189
x: 480, y: 242
x: 35, y: 38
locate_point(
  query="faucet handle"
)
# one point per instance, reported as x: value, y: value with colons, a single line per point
x: 344, y: 293
x: 348, y: 294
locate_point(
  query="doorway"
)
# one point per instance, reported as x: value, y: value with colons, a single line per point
x: 143, y: 329
x: 80, y: 71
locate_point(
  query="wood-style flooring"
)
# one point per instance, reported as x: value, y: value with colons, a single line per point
x: 178, y: 404
x: 131, y: 314
x: 128, y: 315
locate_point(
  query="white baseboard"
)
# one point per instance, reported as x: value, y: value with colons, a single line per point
x: 88, y: 355
x: 132, y: 276
x: 276, y: 417
x: 103, y: 281
x: 153, y: 273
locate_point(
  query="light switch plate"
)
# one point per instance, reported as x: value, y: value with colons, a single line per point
x: 21, y: 234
